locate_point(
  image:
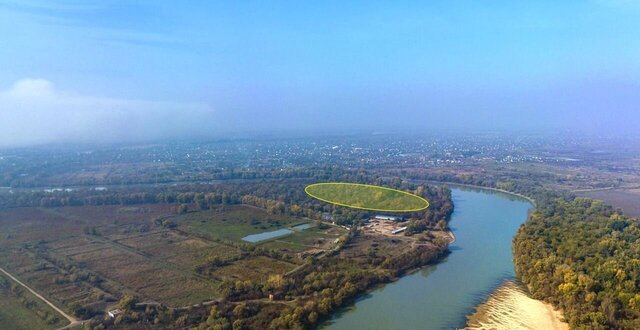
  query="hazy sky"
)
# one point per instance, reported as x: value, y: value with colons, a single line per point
x: 111, y: 70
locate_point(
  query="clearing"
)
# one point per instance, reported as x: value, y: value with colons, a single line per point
x: 366, y: 197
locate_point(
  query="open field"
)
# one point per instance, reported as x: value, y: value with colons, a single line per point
x: 371, y: 246
x: 91, y: 256
x: 366, y: 197
x: 254, y: 269
x: 19, y: 309
x: 626, y: 199
x: 97, y: 268
x: 233, y: 222
x: 309, y: 241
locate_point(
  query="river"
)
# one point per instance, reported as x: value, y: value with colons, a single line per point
x: 441, y: 296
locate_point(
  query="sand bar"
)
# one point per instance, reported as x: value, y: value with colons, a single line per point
x: 509, y: 307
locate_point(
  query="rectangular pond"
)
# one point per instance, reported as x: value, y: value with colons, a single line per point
x: 254, y: 238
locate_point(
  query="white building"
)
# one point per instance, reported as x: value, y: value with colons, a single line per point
x: 387, y: 217
x: 399, y: 230
x: 115, y: 312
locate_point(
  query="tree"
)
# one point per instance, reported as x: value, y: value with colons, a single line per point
x: 127, y: 302
x: 313, y: 317
x: 239, y: 311
x: 238, y: 325
x: 276, y: 282
x: 583, y: 257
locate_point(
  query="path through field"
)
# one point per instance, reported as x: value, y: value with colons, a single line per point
x: 73, y: 321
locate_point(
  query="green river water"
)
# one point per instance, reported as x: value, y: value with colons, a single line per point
x: 441, y: 296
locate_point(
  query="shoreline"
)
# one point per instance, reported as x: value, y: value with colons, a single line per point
x: 529, y: 199
x: 452, y: 235
x: 444, y: 254
x: 327, y: 320
x: 510, y: 307
x: 452, y: 239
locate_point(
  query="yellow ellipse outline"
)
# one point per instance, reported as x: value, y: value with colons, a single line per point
x: 365, y: 208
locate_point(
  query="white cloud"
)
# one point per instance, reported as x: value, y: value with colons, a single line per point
x: 33, y: 111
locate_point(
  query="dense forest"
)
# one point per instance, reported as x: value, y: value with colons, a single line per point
x: 584, y: 257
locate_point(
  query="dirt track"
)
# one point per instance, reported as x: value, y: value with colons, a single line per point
x: 73, y: 321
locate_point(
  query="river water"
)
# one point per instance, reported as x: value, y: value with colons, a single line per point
x: 441, y: 296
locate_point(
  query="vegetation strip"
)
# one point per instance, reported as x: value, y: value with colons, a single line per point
x: 68, y: 317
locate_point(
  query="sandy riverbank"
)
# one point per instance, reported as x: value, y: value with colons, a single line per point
x: 509, y: 307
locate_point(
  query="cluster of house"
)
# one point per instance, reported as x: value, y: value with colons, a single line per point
x: 392, y: 218
x: 329, y: 217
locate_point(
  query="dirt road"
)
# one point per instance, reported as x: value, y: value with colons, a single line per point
x: 73, y: 321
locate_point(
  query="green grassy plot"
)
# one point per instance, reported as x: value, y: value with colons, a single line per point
x: 366, y: 197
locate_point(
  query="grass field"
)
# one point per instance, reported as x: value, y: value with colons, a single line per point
x: 19, y: 309
x: 234, y: 222
x: 312, y: 238
x: 254, y: 269
x: 366, y: 197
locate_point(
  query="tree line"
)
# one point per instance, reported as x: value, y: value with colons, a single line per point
x: 584, y: 257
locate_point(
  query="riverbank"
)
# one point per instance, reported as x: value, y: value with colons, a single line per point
x: 509, y: 307
x: 531, y: 200
x: 442, y: 295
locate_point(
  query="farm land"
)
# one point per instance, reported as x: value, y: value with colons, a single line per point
x: 84, y: 259
x: 624, y: 198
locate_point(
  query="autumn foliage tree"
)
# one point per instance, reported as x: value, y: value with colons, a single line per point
x: 584, y: 257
